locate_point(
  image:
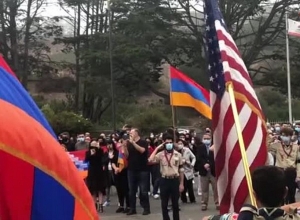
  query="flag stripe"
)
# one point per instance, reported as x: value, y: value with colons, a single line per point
x: 50, y: 197
x: 187, y: 93
x: 179, y: 86
x: 226, y: 66
x: 13, y: 92
x: 16, y: 185
x: 176, y: 74
x: 185, y: 99
x: 4, y: 65
x: 293, y: 28
x: 51, y: 162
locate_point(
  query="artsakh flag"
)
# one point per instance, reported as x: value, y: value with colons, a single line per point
x: 38, y: 181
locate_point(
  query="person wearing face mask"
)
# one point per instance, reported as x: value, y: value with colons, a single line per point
x: 189, y: 160
x: 172, y: 176
x: 81, y: 144
x: 277, y: 128
x: 205, y: 156
x: 287, y: 157
x: 65, y: 141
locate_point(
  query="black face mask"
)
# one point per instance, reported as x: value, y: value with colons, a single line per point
x: 65, y: 140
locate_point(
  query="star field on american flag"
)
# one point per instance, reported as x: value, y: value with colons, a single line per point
x: 215, y: 67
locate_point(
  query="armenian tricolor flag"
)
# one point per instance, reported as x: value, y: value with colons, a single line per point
x: 122, y: 160
x: 38, y: 181
x: 186, y: 92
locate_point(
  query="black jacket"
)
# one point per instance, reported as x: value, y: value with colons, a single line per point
x: 203, y: 157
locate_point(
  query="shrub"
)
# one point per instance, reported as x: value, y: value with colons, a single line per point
x: 66, y: 121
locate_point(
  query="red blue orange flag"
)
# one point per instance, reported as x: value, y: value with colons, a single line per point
x: 186, y: 92
x: 38, y: 181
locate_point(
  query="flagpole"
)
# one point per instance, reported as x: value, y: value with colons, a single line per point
x: 171, y: 103
x: 288, y: 69
x: 241, y: 143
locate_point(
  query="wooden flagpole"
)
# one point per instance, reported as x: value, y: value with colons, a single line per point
x: 241, y: 142
x: 172, y: 107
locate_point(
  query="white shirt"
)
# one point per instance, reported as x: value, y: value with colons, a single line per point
x: 271, y: 159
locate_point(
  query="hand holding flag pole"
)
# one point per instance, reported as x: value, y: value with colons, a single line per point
x: 237, y: 123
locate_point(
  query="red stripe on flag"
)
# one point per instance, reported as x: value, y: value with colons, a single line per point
x: 16, y: 186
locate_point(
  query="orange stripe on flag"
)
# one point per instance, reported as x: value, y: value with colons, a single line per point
x: 184, y: 99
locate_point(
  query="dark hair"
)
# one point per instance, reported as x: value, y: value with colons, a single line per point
x: 269, y: 185
x: 113, y: 144
x: 185, y: 143
x: 167, y: 136
x: 151, y: 141
x: 170, y: 131
x: 103, y: 143
x: 286, y: 131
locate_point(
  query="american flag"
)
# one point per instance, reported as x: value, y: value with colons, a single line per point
x: 227, y: 66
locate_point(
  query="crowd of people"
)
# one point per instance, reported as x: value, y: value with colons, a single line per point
x: 122, y: 160
x: 166, y: 165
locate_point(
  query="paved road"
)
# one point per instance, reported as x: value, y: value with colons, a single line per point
x: 188, y: 211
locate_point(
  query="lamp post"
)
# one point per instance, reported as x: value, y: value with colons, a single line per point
x: 112, y: 83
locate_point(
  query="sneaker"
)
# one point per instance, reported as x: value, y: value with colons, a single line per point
x: 106, y: 203
x: 156, y: 196
x: 199, y: 193
x: 120, y: 209
x: 204, y: 207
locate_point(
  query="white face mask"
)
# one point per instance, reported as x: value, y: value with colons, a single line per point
x: 192, y: 142
x: 180, y: 146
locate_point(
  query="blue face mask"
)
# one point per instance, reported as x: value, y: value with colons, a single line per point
x: 297, y: 129
x: 206, y: 142
x: 286, y: 140
x: 169, y: 146
x: 277, y: 128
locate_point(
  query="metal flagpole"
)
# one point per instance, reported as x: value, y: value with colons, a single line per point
x: 288, y: 69
x: 112, y: 83
x: 171, y: 103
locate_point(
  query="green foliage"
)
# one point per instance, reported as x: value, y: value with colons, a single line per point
x: 275, y: 105
x: 66, y: 121
x: 150, y: 119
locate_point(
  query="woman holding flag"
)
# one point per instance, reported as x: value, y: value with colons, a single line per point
x: 121, y: 181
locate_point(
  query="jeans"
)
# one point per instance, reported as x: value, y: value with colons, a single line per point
x: 138, y: 179
x: 155, y: 177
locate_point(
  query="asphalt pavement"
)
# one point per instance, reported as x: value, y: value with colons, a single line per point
x: 188, y: 211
